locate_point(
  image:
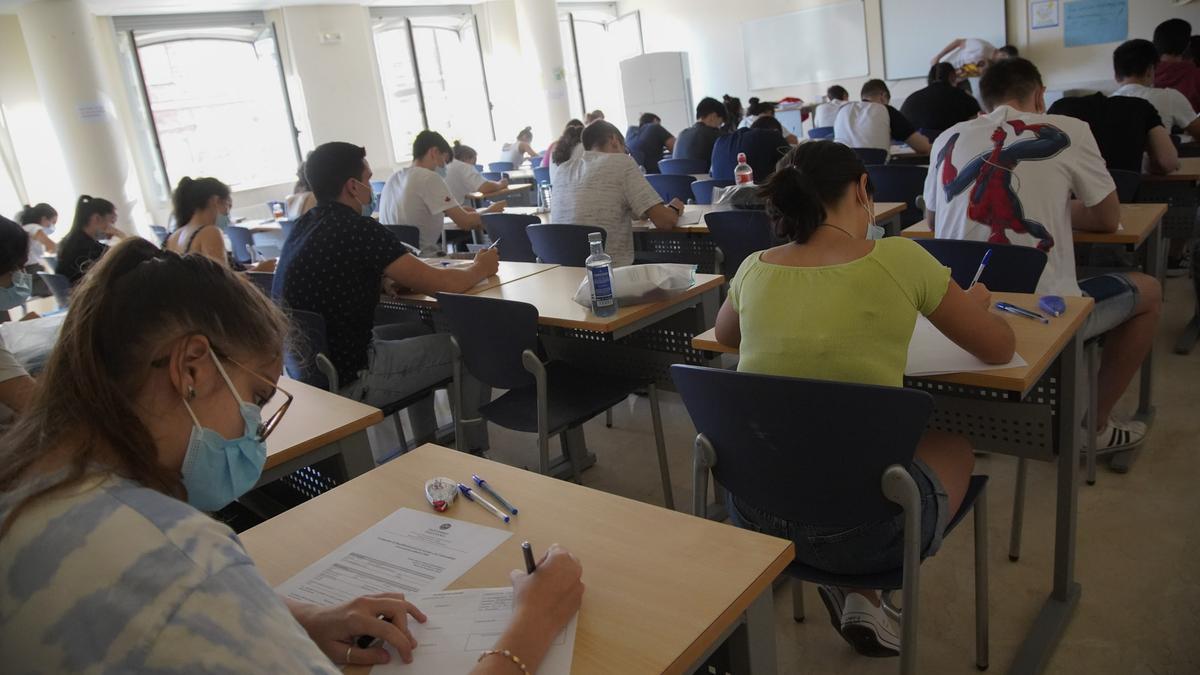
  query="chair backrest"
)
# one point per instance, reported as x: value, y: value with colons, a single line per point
x: 739, y: 233
x: 263, y: 280
x: 1011, y: 269
x: 559, y: 244
x: 268, y: 238
x: 535, y: 160
x: 501, y: 166
x: 871, y: 156
x: 672, y: 186
x: 286, y: 227
x: 241, y: 242
x: 702, y: 190
x: 479, y: 167
x: 59, y: 286
x: 1127, y: 184
x: 377, y: 186
x: 494, y: 176
x: 900, y: 183
x: 409, y: 234
x: 541, y: 174
x: 682, y: 166
x: 492, y: 334
x: 798, y: 448
x: 160, y: 232
x: 821, y: 133
x: 300, y: 361
x: 509, y: 228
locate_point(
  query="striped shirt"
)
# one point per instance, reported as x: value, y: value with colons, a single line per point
x: 112, y: 577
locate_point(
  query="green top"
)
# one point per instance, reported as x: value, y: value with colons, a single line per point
x: 847, y: 323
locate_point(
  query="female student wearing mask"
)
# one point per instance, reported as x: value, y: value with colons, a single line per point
x: 851, y: 307
x: 463, y: 179
x: 202, y: 205
x: 522, y: 148
x: 81, y: 247
x: 153, y: 412
x: 549, y: 153
x: 39, y: 221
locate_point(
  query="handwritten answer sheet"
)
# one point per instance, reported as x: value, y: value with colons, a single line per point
x: 932, y: 353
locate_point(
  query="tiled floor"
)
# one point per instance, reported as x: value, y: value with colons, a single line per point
x: 1138, y: 556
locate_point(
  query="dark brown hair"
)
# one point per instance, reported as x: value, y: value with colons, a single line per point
x: 810, y: 177
x: 129, y: 307
x: 192, y: 194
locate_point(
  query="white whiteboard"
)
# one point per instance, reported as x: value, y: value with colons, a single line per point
x: 814, y: 45
x: 914, y: 31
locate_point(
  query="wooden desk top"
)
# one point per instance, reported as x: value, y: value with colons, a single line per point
x: 883, y: 211
x: 1137, y: 223
x: 1037, y: 343
x: 507, y: 273
x: 316, y: 418
x: 662, y: 586
x: 553, y: 291
x: 511, y: 189
x: 1189, y: 170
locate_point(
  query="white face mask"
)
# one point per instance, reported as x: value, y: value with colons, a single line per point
x: 873, y: 231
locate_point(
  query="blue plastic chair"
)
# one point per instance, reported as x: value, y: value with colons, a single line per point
x: 535, y: 160
x: 262, y: 280
x: 1128, y: 183
x: 541, y: 174
x: 672, y: 186
x: 497, y: 341
x: 493, y: 176
x: 816, y: 463
x: 1011, y: 269
x: 500, y: 166
x: 702, y: 189
x: 60, y: 287
x: 871, y: 156
x: 681, y: 166
x: 479, y: 168
x: 161, y: 233
x: 306, y: 357
x: 559, y: 244
x: 241, y: 243
x: 409, y: 234
x: 509, y: 228
x: 739, y: 233
x: 377, y: 186
x: 900, y: 183
x: 821, y: 133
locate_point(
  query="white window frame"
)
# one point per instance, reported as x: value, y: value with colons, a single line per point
x: 604, y: 14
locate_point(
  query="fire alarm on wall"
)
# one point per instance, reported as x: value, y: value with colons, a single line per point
x: 330, y: 38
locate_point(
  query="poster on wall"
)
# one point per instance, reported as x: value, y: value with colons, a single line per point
x: 1043, y: 14
x: 1094, y: 22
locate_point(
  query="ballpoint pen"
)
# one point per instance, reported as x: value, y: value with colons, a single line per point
x: 982, y: 265
x: 1020, y: 311
x: 478, y: 499
x: 530, y: 565
x: 483, y: 485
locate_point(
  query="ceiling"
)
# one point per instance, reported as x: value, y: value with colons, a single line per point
x: 124, y: 7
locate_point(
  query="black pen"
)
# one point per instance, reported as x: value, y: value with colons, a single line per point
x: 368, y: 641
x: 530, y: 565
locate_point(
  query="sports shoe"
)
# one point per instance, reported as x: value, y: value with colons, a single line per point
x: 1117, y: 435
x: 868, y: 629
x: 834, y: 599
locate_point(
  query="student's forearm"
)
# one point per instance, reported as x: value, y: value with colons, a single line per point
x: 1093, y: 219
x: 490, y: 187
x: 524, y: 639
x: 16, y: 392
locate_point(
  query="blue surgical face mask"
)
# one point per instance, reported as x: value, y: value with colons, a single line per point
x: 217, y: 470
x: 441, y: 171
x: 873, y: 231
x: 223, y: 220
x: 18, y: 293
x: 372, y: 206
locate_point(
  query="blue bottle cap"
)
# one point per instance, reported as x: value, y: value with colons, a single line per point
x: 1053, y: 305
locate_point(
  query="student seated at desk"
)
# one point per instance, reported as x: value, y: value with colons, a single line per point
x: 603, y: 186
x: 941, y: 104
x: 1134, y: 65
x: 545, y: 163
x: 696, y: 142
x: 81, y: 247
x: 518, y: 151
x: 38, y: 221
x: 420, y: 196
x: 301, y: 200
x: 733, y: 113
x: 202, y: 206
x: 152, y: 414
x: 648, y: 141
x: 593, y: 116
x: 1174, y: 71
x: 831, y: 305
x: 1008, y: 177
x: 764, y: 144
x: 825, y: 114
x: 874, y: 123
x: 463, y: 179
x: 332, y: 265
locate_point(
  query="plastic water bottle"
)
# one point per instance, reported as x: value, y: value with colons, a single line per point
x: 599, y: 268
x: 742, y: 173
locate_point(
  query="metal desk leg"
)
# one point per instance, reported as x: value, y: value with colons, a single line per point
x: 574, y: 444
x: 752, y: 645
x: 1191, y: 332
x: 1121, y: 461
x: 1055, y: 615
x: 355, y: 456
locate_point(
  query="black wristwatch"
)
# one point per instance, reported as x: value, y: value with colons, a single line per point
x: 674, y: 208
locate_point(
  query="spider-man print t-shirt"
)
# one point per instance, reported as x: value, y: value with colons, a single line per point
x: 1008, y: 177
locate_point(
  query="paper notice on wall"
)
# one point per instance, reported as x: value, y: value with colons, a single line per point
x: 93, y: 112
x: 1043, y: 14
x: 1095, y: 22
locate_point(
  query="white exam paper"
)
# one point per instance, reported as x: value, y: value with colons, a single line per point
x: 407, y: 552
x: 460, y: 625
x: 690, y: 216
x: 932, y: 353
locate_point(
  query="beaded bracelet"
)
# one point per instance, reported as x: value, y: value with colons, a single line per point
x: 506, y: 654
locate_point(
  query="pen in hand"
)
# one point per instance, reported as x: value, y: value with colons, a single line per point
x: 494, y: 243
x: 368, y: 641
x: 530, y: 565
x: 982, y: 265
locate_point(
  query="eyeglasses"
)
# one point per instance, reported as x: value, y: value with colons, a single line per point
x: 268, y: 425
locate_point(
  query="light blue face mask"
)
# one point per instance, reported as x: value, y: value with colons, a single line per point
x: 371, y: 207
x: 223, y: 220
x: 873, y: 231
x: 217, y: 470
x: 441, y: 171
x: 18, y: 293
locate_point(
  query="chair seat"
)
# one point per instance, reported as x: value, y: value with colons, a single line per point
x: 891, y: 579
x: 574, y: 397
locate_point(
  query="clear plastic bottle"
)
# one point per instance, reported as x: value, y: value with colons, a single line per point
x: 742, y: 173
x: 599, y: 269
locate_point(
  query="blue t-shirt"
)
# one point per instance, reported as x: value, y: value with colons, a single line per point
x: 763, y: 147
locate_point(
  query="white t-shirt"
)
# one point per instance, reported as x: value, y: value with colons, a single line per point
x: 863, y: 124
x: 604, y: 189
x: 1172, y: 106
x: 973, y: 51
x: 462, y: 179
x: 511, y: 152
x: 826, y: 113
x: 417, y: 196
x: 1043, y: 165
x: 36, y: 249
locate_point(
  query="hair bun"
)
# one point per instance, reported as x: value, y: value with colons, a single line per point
x: 753, y: 100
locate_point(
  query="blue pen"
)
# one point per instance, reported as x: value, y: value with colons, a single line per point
x: 1020, y: 311
x: 979, y: 272
x: 483, y: 485
x: 478, y: 499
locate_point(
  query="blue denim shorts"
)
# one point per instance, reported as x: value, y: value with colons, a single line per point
x: 868, y: 548
x: 1116, y: 297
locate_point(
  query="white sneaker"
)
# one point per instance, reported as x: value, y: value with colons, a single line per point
x: 1117, y: 435
x: 868, y: 628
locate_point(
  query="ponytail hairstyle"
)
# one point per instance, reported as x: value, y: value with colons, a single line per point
x: 14, y: 246
x: 809, y: 179
x: 525, y: 134
x: 34, y: 215
x: 464, y: 153
x: 758, y: 107
x: 301, y: 181
x: 941, y: 72
x: 126, y: 313
x: 733, y: 109
x: 599, y: 133
x: 85, y: 208
x: 192, y: 194
x: 566, y: 143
